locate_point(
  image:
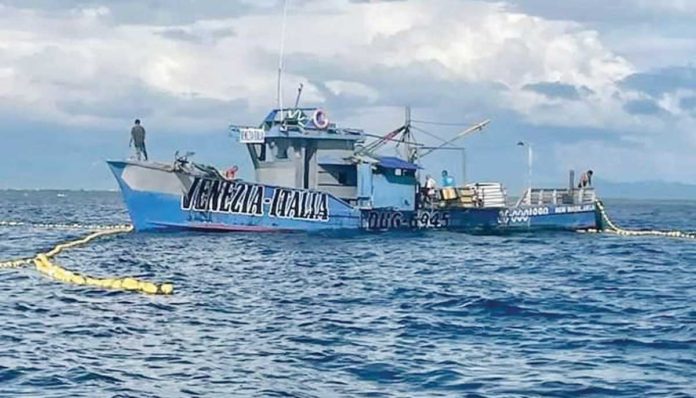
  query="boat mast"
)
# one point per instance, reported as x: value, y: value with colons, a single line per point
x: 407, y: 137
x: 280, y: 60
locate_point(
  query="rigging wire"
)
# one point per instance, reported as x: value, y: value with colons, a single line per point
x: 441, y: 123
x: 426, y: 132
x: 390, y: 139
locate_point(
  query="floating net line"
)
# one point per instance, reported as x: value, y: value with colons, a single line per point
x: 44, y: 264
x: 611, y: 227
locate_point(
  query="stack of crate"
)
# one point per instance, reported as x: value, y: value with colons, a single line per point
x: 490, y: 194
x: 467, y: 197
x: 458, y: 197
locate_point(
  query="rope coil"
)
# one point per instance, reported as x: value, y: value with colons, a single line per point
x: 613, y: 228
x: 43, y: 264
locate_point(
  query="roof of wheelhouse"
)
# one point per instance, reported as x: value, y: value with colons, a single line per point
x: 306, y: 123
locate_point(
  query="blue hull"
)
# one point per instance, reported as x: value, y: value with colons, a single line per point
x: 159, y: 198
x: 491, y: 220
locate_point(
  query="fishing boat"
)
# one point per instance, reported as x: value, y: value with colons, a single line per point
x: 312, y: 175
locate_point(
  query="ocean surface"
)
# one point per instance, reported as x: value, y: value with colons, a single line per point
x: 431, y: 314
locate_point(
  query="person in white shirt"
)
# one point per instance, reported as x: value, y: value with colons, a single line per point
x: 585, y: 179
x: 430, y: 186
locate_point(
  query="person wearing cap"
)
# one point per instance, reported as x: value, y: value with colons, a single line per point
x: 138, y: 140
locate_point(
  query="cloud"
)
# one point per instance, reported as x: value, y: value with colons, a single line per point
x: 609, y: 12
x: 642, y: 107
x: 147, y: 12
x: 138, y: 100
x: 658, y: 82
x: 541, y: 73
x: 373, y: 1
x: 488, y: 51
x: 554, y: 90
x: 197, y: 36
x: 650, y: 33
x: 688, y: 103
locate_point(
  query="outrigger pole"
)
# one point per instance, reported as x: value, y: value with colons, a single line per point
x: 470, y: 130
x: 373, y: 146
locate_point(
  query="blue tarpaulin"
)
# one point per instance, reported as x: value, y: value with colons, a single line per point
x: 391, y: 162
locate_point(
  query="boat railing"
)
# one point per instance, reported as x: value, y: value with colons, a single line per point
x: 556, y: 196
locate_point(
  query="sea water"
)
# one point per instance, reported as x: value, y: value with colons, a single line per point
x: 424, y: 314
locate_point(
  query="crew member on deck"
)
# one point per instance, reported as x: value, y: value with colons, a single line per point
x: 447, y: 180
x: 585, y: 179
x: 231, y: 173
x: 430, y: 188
x: 138, y: 139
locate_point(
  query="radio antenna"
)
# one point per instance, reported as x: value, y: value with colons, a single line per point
x: 280, y: 60
x: 299, y: 93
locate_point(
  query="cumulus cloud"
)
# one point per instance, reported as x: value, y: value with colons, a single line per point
x: 688, y: 103
x: 196, y: 68
x: 661, y: 81
x: 555, y: 90
x: 642, y: 107
x: 601, y: 11
x: 147, y: 12
x: 479, y: 43
x: 197, y: 36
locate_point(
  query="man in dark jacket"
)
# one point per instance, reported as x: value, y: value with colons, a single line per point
x: 138, y: 139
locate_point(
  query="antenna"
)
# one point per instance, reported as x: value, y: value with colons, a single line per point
x: 299, y: 92
x: 280, y: 60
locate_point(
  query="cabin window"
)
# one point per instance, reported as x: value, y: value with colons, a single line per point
x: 262, y: 152
x: 342, y: 178
x: 259, y: 151
x: 281, y: 149
x: 398, y: 172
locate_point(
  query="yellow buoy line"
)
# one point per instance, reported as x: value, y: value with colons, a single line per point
x: 613, y: 228
x: 43, y: 264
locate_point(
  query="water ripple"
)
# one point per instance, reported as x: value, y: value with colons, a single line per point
x: 373, y: 315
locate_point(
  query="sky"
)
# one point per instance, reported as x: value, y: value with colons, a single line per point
x: 606, y: 85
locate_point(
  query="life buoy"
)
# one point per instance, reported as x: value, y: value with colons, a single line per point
x: 320, y: 120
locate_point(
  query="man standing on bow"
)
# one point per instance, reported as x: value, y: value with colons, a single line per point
x: 138, y: 139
